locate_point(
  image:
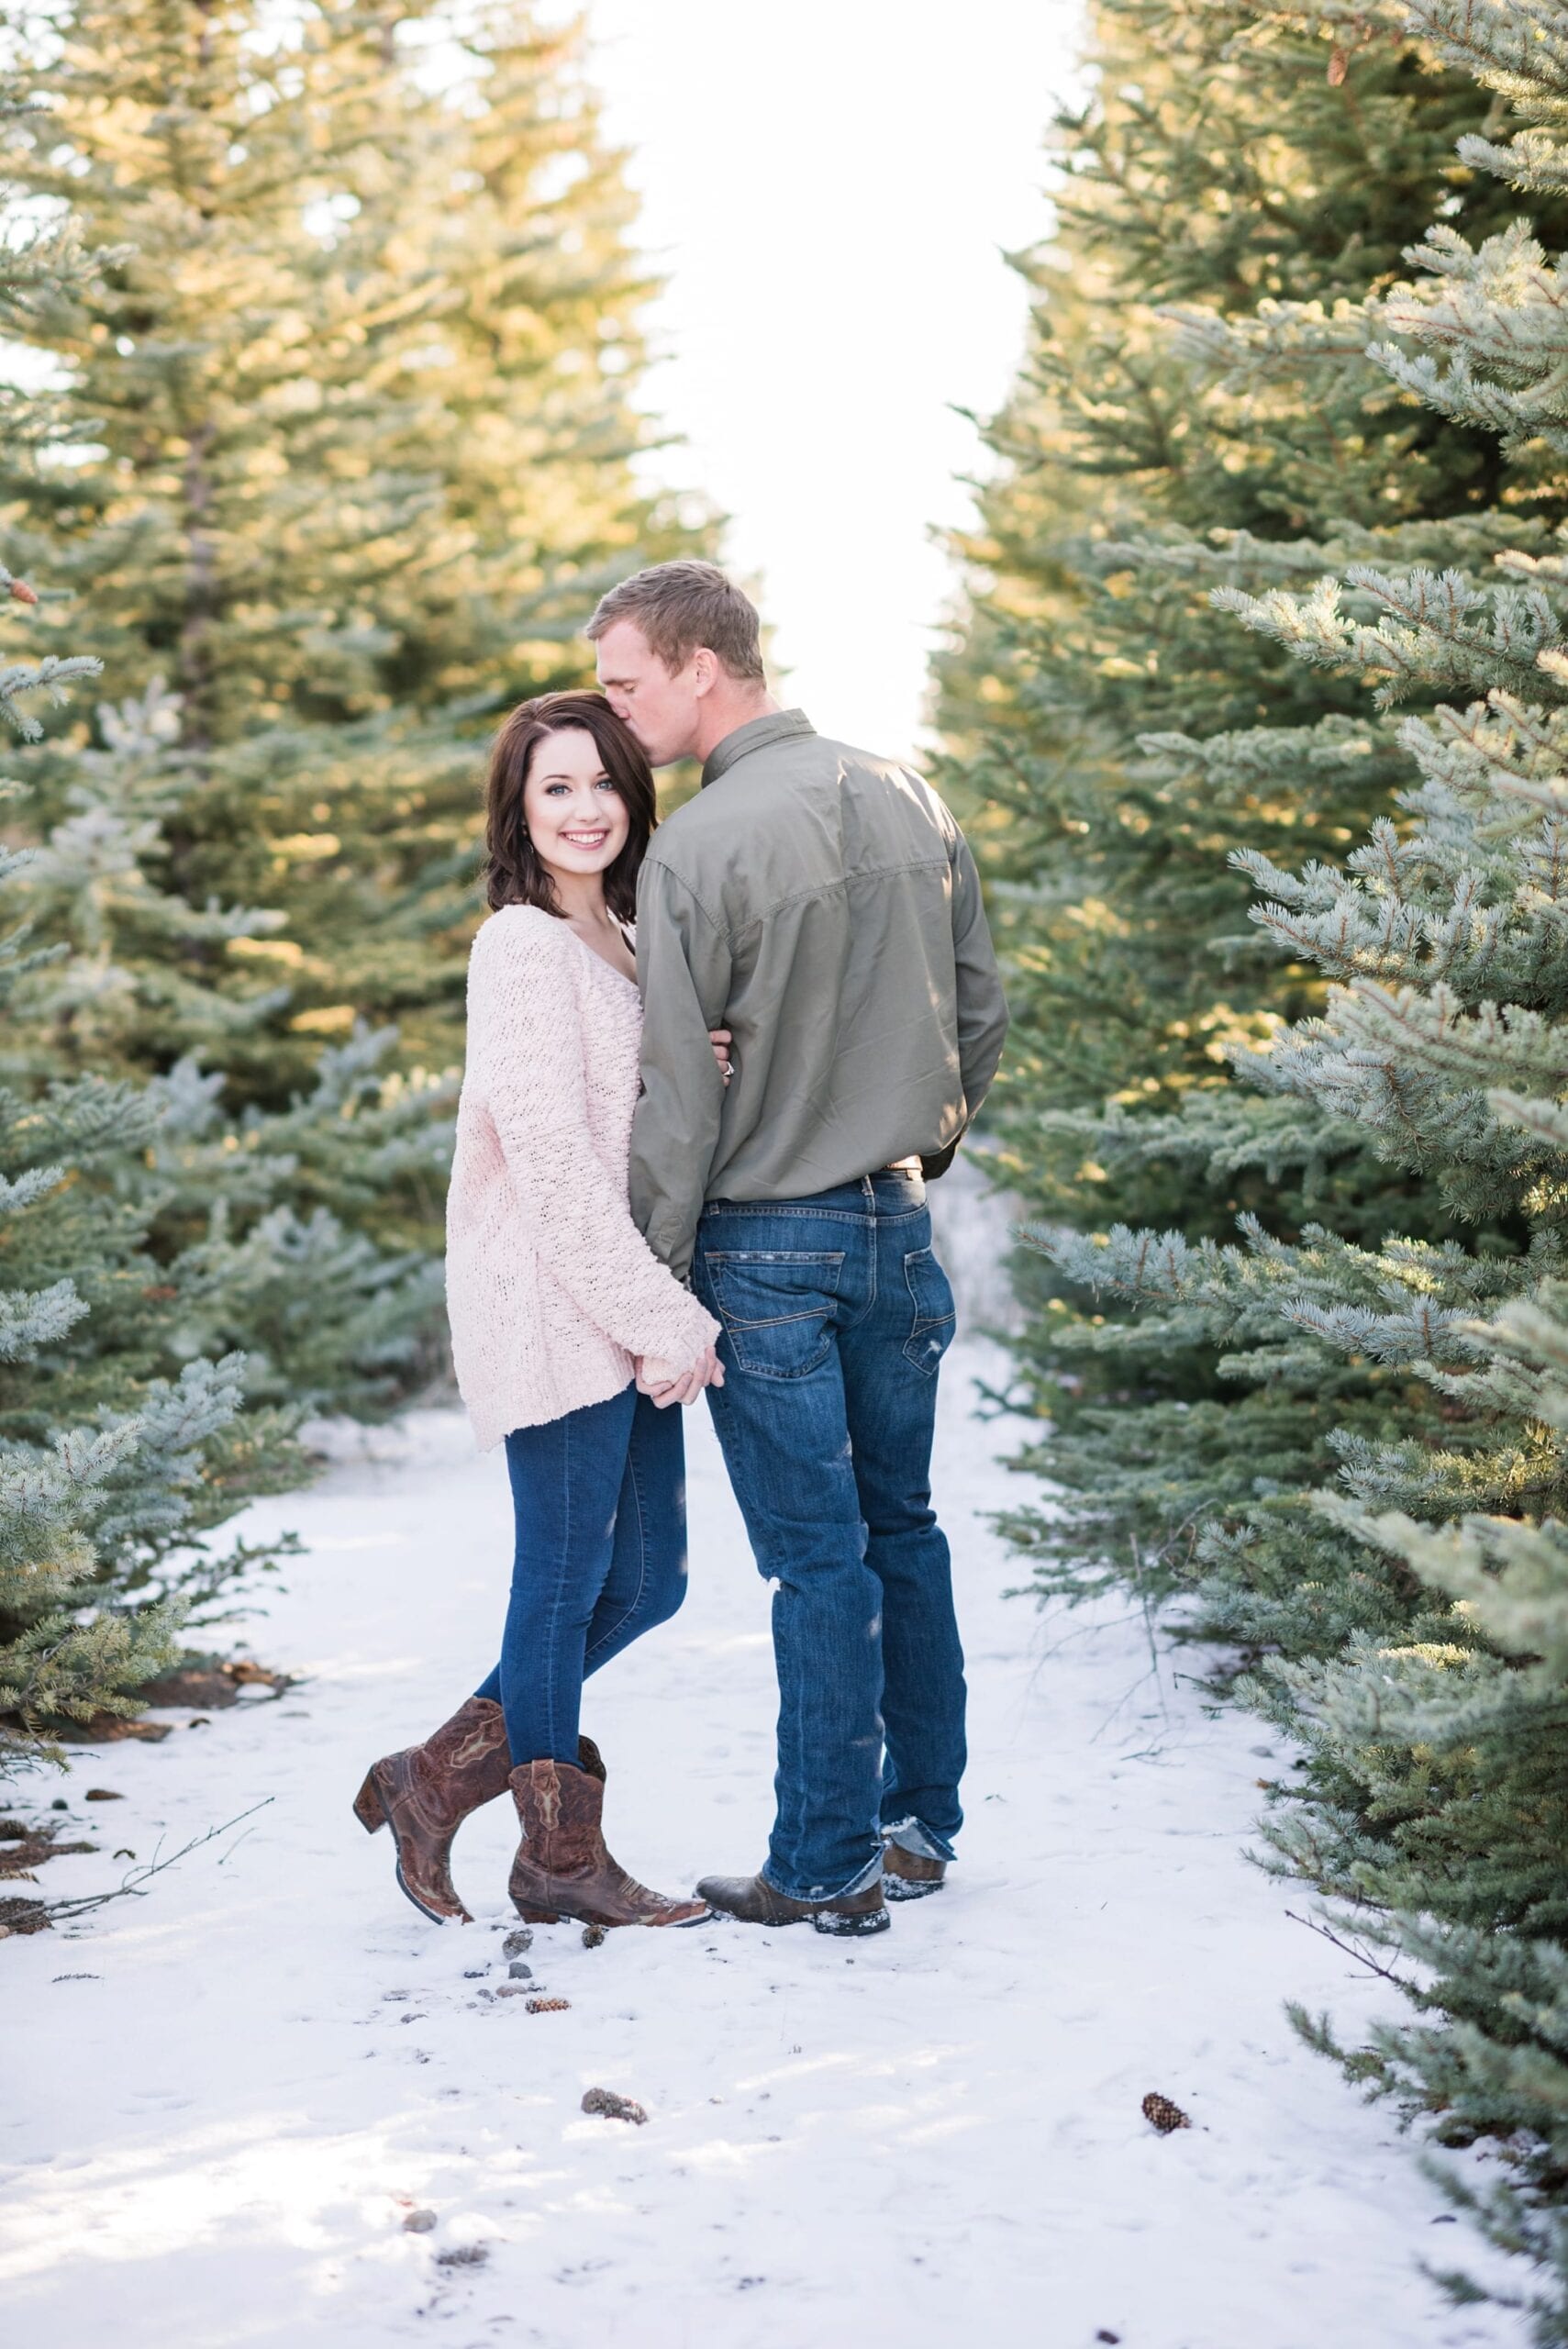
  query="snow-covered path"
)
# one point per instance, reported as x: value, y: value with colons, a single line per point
x: 229, y: 2095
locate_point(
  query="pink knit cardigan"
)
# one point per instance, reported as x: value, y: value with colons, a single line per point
x: 550, y: 1288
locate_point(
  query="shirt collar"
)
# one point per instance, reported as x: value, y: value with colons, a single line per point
x: 778, y: 726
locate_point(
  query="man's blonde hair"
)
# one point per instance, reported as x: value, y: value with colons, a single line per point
x: 683, y: 606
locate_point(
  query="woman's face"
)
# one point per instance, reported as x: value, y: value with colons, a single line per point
x: 577, y: 820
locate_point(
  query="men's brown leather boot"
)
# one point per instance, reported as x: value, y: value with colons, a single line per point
x: 757, y: 1902
x: 426, y: 1792
x: 909, y: 1875
x: 562, y: 1868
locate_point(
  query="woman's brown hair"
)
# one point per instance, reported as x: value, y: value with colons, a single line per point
x: 513, y: 874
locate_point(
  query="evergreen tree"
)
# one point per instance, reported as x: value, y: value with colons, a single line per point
x: 1133, y: 473
x: 260, y: 1210
x: 89, y: 1510
x: 119, y: 1451
x: 340, y: 453
x: 1404, y: 1604
x: 347, y: 455
x: 1142, y: 459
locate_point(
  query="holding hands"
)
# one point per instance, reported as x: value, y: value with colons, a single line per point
x: 668, y: 1384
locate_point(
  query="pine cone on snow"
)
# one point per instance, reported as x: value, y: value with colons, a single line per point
x: 1162, y: 2114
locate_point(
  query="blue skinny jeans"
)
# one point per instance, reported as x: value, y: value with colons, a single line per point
x: 600, y: 1497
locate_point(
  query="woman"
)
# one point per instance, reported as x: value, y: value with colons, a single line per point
x: 553, y: 1297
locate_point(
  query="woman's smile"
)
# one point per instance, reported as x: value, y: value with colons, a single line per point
x: 577, y: 819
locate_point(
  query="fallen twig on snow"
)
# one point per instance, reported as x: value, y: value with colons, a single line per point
x: 132, y: 1883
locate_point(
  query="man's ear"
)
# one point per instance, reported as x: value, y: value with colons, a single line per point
x: 704, y: 670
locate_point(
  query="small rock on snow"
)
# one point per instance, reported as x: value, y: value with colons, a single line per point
x: 418, y: 2223
x: 614, y: 2106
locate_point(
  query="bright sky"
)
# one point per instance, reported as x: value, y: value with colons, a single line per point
x: 829, y: 187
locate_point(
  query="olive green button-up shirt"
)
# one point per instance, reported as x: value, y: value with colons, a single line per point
x: 823, y: 906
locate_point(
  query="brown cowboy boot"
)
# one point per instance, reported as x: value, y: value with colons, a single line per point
x: 562, y: 1868
x: 425, y: 1793
x: 755, y: 1901
x: 909, y: 1875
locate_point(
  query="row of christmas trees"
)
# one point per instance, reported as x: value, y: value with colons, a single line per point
x: 1272, y: 592
x: 319, y: 445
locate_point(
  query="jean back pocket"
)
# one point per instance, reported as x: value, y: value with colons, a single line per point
x: 776, y: 1305
x: 931, y: 1294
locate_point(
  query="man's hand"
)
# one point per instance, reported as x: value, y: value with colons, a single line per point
x: 722, y: 1041
x: 665, y: 1384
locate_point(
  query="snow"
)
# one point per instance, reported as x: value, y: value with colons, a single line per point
x: 232, y: 2092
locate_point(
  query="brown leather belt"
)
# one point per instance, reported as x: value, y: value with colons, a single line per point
x: 910, y: 1165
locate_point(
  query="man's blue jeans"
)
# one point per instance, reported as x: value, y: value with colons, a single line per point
x: 600, y: 1500
x: 836, y: 1317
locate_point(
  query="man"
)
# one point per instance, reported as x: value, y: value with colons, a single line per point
x: 823, y: 906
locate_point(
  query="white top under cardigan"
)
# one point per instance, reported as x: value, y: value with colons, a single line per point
x: 550, y: 1288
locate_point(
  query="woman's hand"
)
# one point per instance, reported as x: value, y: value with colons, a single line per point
x: 664, y: 1385
x: 721, y: 1040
